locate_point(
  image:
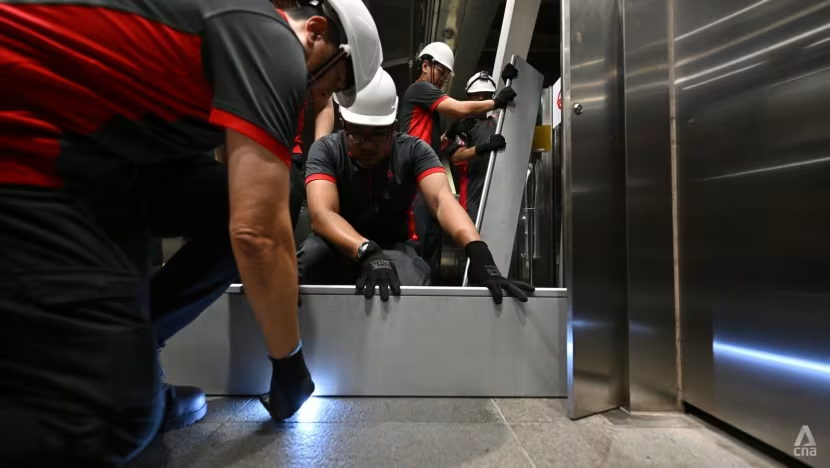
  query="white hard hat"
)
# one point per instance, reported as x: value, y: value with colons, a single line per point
x: 376, y: 104
x: 441, y: 53
x: 481, y: 82
x: 361, y: 42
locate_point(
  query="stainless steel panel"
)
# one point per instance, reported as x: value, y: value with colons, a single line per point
x: 416, y: 345
x: 500, y: 214
x: 594, y: 204
x: 652, y: 347
x: 753, y: 134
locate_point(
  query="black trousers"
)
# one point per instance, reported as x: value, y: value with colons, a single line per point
x: 81, y: 319
x: 321, y: 263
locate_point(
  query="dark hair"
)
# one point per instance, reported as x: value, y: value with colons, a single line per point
x: 302, y: 13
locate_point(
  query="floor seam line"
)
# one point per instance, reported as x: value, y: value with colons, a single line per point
x: 515, y: 436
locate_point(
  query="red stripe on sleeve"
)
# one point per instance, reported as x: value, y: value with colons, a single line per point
x: 233, y: 122
x: 430, y: 171
x: 438, y: 101
x: 314, y: 177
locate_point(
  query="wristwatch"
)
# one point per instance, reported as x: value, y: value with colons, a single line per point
x: 361, y: 251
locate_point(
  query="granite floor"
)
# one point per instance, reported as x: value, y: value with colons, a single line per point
x: 442, y: 432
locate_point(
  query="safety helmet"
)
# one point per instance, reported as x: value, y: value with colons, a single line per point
x: 441, y: 53
x: 376, y: 104
x: 481, y: 82
x: 360, y: 42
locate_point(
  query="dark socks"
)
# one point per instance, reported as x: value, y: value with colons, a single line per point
x: 291, y: 386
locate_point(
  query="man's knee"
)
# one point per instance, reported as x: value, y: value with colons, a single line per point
x: 319, y: 262
x: 412, y: 269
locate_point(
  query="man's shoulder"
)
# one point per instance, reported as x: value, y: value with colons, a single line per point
x: 330, y: 145
x: 407, y: 144
x: 419, y: 86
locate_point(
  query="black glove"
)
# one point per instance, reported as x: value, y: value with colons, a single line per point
x: 291, y: 386
x: 510, y: 72
x: 494, y: 143
x: 460, y: 126
x: 504, y: 97
x: 377, y: 270
x: 484, y: 272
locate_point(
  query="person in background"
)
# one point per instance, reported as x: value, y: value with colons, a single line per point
x: 323, y: 125
x: 470, y: 149
x: 108, y: 116
x: 360, y: 182
x: 423, y: 103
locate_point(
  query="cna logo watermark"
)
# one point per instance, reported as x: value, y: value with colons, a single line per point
x: 805, y: 443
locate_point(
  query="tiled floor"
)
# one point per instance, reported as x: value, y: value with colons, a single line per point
x: 433, y: 433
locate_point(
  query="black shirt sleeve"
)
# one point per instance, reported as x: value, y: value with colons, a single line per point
x: 258, y: 71
x: 322, y: 159
x: 424, y: 159
x: 425, y: 95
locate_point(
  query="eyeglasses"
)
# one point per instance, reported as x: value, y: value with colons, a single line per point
x: 443, y: 73
x: 372, y: 139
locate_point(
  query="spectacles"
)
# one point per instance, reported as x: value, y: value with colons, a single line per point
x: 373, y: 139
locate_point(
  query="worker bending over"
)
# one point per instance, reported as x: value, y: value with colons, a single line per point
x: 360, y: 183
x: 470, y: 149
x: 108, y: 113
x: 422, y: 104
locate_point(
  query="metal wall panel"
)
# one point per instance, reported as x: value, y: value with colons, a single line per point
x: 753, y: 134
x: 594, y: 208
x: 428, y: 342
x: 652, y: 363
x: 500, y: 214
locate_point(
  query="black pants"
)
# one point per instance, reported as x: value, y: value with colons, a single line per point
x: 319, y: 262
x: 81, y: 320
x: 297, y: 197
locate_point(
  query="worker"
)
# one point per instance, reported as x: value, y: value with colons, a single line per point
x: 108, y: 114
x: 360, y: 182
x: 323, y: 125
x: 419, y: 116
x: 470, y: 149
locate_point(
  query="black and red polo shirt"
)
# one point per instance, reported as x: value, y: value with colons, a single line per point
x: 144, y: 80
x: 376, y: 201
x: 418, y: 117
x: 470, y: 174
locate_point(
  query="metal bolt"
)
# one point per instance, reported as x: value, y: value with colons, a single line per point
x: 578, y: 109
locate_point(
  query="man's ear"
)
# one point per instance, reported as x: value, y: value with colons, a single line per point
x: 317, y: 28
x: 424, y: 66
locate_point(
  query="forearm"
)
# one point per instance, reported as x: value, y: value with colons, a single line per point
x: 454, y: 220
x: 268, y: 267
x: 463, y: 154
x: 331, y: 226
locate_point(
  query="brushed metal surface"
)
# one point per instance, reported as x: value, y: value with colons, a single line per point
x: 594, y: 208
x: 652, y: 350
x: 753, y: 129
x: 436, y: 345
x: 498, y: 216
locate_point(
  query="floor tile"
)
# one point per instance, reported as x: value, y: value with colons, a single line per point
x: 222, y: 409
x: 377, y: 410
x: 174, y: 448
x: 594, y: 442
x: 527, y: 410
x: 673, y: 419
x: 432, y: 445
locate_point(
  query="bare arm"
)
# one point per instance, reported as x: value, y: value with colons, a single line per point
x: 455, y: 108
x: 324, y: 209
x: 324, y: 121
x: 445, y: 207
x: 463, y: 154
x: 263, y: 241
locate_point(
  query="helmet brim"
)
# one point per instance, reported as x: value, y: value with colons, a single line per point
x: 367, y: 120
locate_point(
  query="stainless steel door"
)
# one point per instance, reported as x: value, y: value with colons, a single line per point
x: 594, y: 207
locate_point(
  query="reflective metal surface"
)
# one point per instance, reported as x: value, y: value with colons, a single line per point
x: 428, y: 342
x: 507, y: 172
x: 753, y: 134
x: 595, y: 204
x: 652, y: 350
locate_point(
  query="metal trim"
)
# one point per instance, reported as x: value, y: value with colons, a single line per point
x: 436, y: 291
